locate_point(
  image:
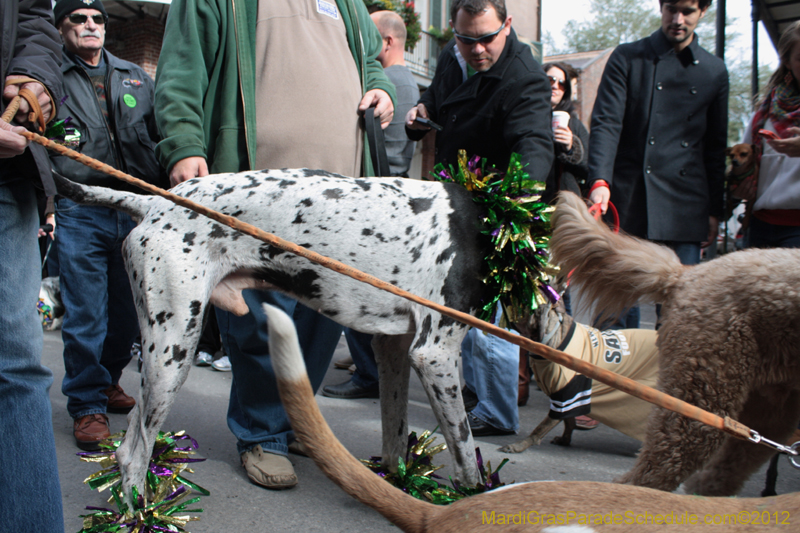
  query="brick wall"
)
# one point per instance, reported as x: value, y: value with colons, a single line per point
x: 137, y: 40
x: 589, y: 82
x: 590, y: 67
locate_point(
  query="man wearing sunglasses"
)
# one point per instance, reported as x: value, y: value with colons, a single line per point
x: 489, y: 94
x: 110, y: 107
x: 491, y: 99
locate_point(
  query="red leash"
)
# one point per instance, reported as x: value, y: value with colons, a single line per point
x: 597, y: 213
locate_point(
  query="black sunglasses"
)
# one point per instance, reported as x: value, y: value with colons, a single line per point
x: 78, y: 19
x: 483, y: 39
x: 554, y: 80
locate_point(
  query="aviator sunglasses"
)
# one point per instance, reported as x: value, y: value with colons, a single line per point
x: 78, y: 19
x: 483, y: 39
x: 554, y: 81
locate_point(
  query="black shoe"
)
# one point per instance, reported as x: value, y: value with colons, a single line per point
x: 480, y: 428
x: 349, y: 391
x: 469, y: 397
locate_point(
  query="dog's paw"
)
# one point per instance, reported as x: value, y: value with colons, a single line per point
x: 517, y: 447
x: 561, y: 441
x: 711, y: 483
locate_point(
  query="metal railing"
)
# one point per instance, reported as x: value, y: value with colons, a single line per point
x: 422, y: 60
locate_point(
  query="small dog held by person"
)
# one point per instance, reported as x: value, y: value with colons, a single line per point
x: 741, y: 176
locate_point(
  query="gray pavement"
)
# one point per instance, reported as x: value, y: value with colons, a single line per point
x: 316, y: 504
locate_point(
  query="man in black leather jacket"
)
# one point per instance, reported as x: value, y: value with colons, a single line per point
x: 110, y: 106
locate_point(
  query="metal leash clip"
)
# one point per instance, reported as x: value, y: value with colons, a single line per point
x: 794, y: 457
x: 791, y: 451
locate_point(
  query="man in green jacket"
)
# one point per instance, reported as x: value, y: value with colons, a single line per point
x: 269, y: 84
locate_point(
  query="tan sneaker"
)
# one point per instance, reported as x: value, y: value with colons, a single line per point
x: 298, y: 448
x: 269, y: 470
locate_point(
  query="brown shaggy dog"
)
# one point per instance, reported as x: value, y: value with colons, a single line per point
x: 729, y: 343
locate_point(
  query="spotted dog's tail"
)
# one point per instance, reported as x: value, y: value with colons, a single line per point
x: 136, y: 205
x: 612, y: 270
x: 406, y: 512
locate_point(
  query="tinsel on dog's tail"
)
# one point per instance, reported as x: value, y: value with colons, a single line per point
x: 406, y: 512
x: 613, y: 271
x: 136, y: 205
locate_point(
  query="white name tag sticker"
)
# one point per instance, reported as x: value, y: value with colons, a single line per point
x: 328, y: 8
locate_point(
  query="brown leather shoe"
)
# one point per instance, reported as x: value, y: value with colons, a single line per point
x: 118, y: 401
x: 89, y: 430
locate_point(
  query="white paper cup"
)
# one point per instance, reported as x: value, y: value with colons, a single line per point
x: 560, y: 119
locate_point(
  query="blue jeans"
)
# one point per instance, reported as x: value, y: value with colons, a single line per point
x: 765, y: 235
x: 360, y: 345
x: 31, y: 495
x: 688, y: 254
x: 628, y: 319
x: 491, y: 371
x: 100, y: 322
x: 255, y: 413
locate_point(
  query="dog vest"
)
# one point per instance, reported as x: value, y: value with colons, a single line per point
x: 630, y: 352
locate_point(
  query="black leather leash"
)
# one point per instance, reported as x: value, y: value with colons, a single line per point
x: 377, y: 142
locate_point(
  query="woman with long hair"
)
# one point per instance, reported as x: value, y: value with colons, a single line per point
x: 775, y: 221
x: 570, y: 167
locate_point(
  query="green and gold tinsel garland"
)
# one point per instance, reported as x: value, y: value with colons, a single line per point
x: 519, y: 275
x: 157, y: 517
x: 416, y: 473
x: 166, y: 487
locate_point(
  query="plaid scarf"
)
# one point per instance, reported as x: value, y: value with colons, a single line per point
x: 782, y: 107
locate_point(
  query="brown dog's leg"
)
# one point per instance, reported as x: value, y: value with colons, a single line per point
x: 535, y: 438
x: 675, y: 447
x: 566, y: 438
x: 774, y: 414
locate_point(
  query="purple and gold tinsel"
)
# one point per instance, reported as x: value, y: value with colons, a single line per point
x: 157, y: 517
x: 519, y: 275
x: 166, y: 487
x: 416, y: 473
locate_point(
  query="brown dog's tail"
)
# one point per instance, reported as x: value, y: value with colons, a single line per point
x: 406, y: 512
x: 613, y: 271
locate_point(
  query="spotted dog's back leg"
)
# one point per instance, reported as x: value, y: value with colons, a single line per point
x: 434, y: 355
x: 391, y: 354
x: 169, y: 339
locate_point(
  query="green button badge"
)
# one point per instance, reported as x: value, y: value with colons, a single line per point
x: 129, y: 100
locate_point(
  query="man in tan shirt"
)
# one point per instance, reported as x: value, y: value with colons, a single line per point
x: 269, y: 84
